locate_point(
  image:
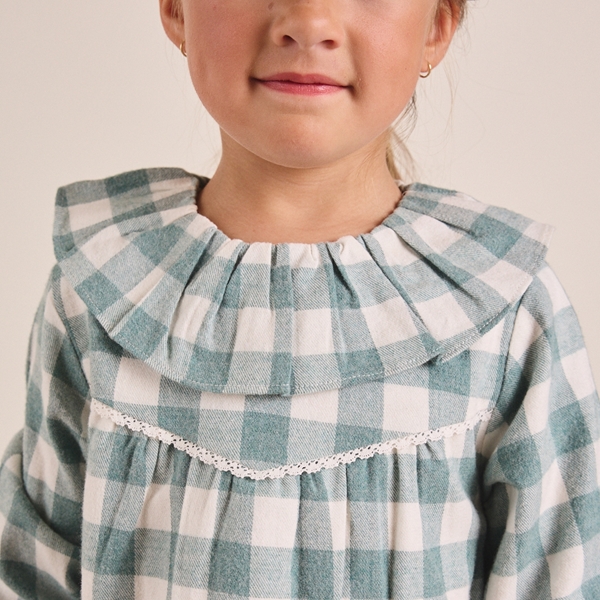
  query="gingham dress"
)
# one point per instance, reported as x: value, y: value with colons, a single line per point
x: 408, y: 413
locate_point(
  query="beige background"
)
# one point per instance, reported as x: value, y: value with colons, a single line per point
x: 90, y: 89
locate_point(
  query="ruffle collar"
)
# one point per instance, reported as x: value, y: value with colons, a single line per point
x: 226, y: 316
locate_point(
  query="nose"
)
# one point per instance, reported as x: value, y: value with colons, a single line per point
x: 306, y: 23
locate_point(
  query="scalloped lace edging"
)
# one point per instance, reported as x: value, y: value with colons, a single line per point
x: 329, y: 462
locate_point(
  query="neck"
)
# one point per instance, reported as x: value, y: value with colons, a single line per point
x: 254, y: 200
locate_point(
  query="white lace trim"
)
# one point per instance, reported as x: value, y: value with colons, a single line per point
x: 329, y: 462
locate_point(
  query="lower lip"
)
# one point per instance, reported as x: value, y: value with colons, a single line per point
x: 302, y: 89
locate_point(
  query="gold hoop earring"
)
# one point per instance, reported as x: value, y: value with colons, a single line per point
x: 427, y: 73
x: 182, y: 48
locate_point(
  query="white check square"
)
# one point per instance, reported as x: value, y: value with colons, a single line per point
x: 137, y: 383
x: 255, y: 330
x: 274, y: 522
x: 313, y: 333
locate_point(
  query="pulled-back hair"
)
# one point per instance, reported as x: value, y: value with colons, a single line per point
x: 397, y: 151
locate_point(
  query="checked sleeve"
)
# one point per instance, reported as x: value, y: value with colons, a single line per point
x: 41, y: 477
x: 540, y: 483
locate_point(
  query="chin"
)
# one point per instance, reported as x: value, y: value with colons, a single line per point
x: 298, y: 146
x: 303, y: 151
x: 303, y: 158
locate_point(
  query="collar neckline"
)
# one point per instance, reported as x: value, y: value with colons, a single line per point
x: 223, y: 315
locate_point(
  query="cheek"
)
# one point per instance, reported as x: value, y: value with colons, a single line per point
x: 400, y: 29
x: 389, y: 80
x: 219, y: 43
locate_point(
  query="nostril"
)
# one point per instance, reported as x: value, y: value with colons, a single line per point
x: 288, y: 39
x: 308, y: 26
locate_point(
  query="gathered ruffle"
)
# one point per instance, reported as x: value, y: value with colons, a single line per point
x: 222, y: 315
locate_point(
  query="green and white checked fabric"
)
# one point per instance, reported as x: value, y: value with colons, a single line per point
x: 405, y: 414
x: 224, y: 316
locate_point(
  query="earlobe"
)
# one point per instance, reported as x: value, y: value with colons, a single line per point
x: 171, y: 16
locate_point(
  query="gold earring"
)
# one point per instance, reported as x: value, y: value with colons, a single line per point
x: 182, y: 48
x: 427, y: 73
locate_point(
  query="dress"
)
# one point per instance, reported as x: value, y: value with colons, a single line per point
x: 409, y: 413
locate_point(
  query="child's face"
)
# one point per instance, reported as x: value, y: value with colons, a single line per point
x: 373, y: 50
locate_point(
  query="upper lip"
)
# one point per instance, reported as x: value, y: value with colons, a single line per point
x: 307, y: 78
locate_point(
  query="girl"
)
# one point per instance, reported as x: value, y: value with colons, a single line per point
x: 301, y: 379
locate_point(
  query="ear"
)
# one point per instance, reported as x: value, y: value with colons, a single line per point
x: 443, y: 27
x: 171, y: 15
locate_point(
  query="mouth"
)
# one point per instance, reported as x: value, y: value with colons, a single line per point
x: 310, y: 84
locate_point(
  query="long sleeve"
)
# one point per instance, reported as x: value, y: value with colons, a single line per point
x: 540, y: 485
x: 41, y: 478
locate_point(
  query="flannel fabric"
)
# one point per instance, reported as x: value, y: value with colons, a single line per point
x: 405, y: 414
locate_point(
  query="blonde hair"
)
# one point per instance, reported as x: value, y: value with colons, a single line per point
x: 396, y: 152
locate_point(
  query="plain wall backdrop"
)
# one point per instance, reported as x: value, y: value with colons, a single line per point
x: 91, y: 89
